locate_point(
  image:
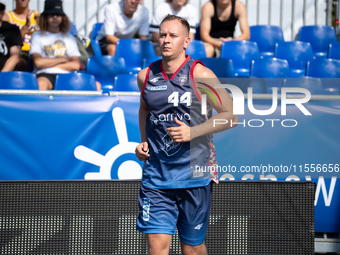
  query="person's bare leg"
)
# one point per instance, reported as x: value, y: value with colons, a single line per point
x: 111, y: 49
x: 44, y: 83
x: 193, y: 250
x: 158, y: 244
x: 209, y: 50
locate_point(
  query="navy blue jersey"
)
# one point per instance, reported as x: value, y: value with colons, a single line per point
x: 168, y: 166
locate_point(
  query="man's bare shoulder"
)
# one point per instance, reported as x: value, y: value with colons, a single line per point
x: 141, y: 78
x: 201, y: 71
x: 240, y: 7
x: 208, y: 8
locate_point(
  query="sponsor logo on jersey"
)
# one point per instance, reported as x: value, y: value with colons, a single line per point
x: 183, y: 79
x: 156, y: 88
x: 168, y: 117
x: 170, y: 147
x: 155, y: 79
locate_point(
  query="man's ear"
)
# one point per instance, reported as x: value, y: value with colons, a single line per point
x: 187, y: 42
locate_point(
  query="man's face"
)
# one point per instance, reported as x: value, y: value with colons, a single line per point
x: 54, y: 20
x: 173, y: 38
x: 130, y: 6
x: 22, y: 3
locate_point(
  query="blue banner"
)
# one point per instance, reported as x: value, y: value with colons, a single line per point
x: 51, y: 137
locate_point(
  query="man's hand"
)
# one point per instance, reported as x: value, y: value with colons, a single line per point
x: 179, y: 134
x: 141, y: 151
x: 28, y: 18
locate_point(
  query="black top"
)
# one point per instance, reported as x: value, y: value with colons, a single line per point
x: 226, y: 28
x: 9, y: 36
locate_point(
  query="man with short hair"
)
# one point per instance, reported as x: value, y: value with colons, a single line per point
x: 122, y: 20
x: 218, y: 21
x: 10, y: 43
x: 174, y: 136
x: 27, y: 21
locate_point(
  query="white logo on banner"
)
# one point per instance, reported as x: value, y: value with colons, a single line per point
x: 127, y: 170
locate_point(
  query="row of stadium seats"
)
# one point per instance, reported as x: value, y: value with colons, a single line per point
x: 128, y: 82
x: 70, y: 81
x: 297, y: 53
x: 266, y: 37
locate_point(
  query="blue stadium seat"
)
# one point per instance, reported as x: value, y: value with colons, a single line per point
x: 323, y: 68
x: 313, y: 85
x: 95, y: 29
x: 257, y: 84
x: 18, y: 80
x: 134, y: 51
x: 96, y: 47
x: 222, y: 67
x: 104, y: 69
x: 241, y: 53
x: 334, y: 51
x: 73, y: 30
x: 196, y: 49
x: 266, y: 36
x: 126, y: 82
x: 319, y: 37
x: 148, y: 60
x: 328, y: 70
x: 270, y: 68
x: 75, y: 81
x: 297, y: 54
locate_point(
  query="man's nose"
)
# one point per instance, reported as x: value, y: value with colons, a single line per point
x: 166, y: 38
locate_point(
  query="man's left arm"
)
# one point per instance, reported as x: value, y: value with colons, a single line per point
x: 241, y: 15
x: 184, y: 133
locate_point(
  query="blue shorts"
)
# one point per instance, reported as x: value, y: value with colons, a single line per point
x: 161, y: 210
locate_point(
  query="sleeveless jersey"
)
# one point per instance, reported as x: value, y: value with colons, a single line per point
x: 168, y: 166
x: 14, y: 19
x: 223, y: 28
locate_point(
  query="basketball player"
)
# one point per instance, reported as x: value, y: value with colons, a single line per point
x: 173, y: 132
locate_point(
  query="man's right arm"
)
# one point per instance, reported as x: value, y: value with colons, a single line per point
x: 143, y: 147
x: 205, y: 24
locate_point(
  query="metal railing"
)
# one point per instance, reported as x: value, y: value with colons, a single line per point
x: 290, y: 15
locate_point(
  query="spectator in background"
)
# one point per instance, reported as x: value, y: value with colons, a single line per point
x: 122, y: 20
x: 180, y: 8
x: 53, y: 49
x: 10, y: 43
x: 27, y: 21
x: 218, y: 21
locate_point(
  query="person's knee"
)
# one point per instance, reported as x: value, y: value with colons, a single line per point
x: 210, y: 50
x: 158, y: 244
x: 158, y: 248
x: 111, y: 49
x: 193, y: 249
x: 44, y: 84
